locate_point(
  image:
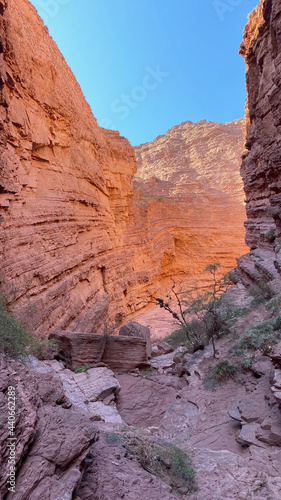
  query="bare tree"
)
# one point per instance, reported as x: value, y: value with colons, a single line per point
x: 197, y: 312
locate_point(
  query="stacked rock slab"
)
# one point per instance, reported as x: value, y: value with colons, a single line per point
x: 134, y: 329
x: 121, y: 354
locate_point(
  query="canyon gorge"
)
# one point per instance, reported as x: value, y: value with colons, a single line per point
x: 88, y: 225
x: 85, y: 228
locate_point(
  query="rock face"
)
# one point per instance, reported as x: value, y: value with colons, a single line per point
x: 261, y: 162
x: 192, y: 194
x: 134, y: 329
x: 65, y: 187
x: 76, y: 244
x: 121, y: 354
x: 261, y: 159
x: 51, y: 440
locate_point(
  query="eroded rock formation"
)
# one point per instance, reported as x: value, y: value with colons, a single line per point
x: 121, y: 353
x: 65, y: 187
x: 261, y: 160
x: 46, y: 442
x: 76, y: 244
x: 192, y: 195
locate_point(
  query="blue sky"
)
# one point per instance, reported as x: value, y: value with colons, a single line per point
x: 147, y: 65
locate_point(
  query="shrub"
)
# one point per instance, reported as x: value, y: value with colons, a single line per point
x: 270, y: 235
x: 168, y: 462
x: 274, y: 304
x: 15, y: 341
x: 179, y: 337
x: 84, y: 368
x: 261, y: 292
x: 224, y: 369
x: 206, y: 306
x: 176, y: 338
x: 261, y: 335
x: 112, y: 437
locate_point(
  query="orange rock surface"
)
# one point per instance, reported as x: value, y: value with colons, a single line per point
x: 65, y: 187
x: 191, y: 191
x: 77, y: 243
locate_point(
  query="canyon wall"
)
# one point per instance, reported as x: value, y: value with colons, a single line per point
x: 78, y: 244
x: 188, y: 183
x: 261, y: 165
x: 65, y: 187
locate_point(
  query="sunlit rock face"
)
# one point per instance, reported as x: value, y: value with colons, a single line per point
x: 191, y: 191
x: 79, y: 245
x: 65, y: 187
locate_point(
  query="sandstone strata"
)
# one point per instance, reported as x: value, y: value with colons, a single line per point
x: 76, y: 244
x: 261, y: 160
x: 192, y: 195
x: 121, y: 354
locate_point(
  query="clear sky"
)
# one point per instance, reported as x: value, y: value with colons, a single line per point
x: 147, y: 65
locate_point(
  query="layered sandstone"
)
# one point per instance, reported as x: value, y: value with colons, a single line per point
x: 77, y: 243
x: 65, y: 187
x: 261, y: 159
x: 191, y: 191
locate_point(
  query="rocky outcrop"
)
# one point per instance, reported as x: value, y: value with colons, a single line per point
x: 276, y: 359
x: 92, y: 391
x: 134, y: 329
x: 261, y: 160
x: 41, y: 437
x: 191, y: 193
x: 121, y: 354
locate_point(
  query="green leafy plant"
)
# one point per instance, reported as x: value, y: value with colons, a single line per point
x: 84, y: 368
x: 147, y: 372
x: 176, y: 338
x: 261, y: 292
x: 270, y: 235
x: 224, y: 369
x: 112, y: 437
x: 261, y: 335
x: 274, y: 304
x: 168, y: 462
x: 209, y: 313
x: 16, y: 341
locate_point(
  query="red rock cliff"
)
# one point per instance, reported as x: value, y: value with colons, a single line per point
x: 77, y: 244
x: 261, y: 161
x: 189, y: 184
x: 65, y: 186
x: 261, y: 167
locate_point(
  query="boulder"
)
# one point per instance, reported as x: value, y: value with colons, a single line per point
x: 163, y: 362
x: 121, y: 354
x: 134, y: 329
x: 161, y: 348
x: 52, y: 440
x: 143, y: 402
